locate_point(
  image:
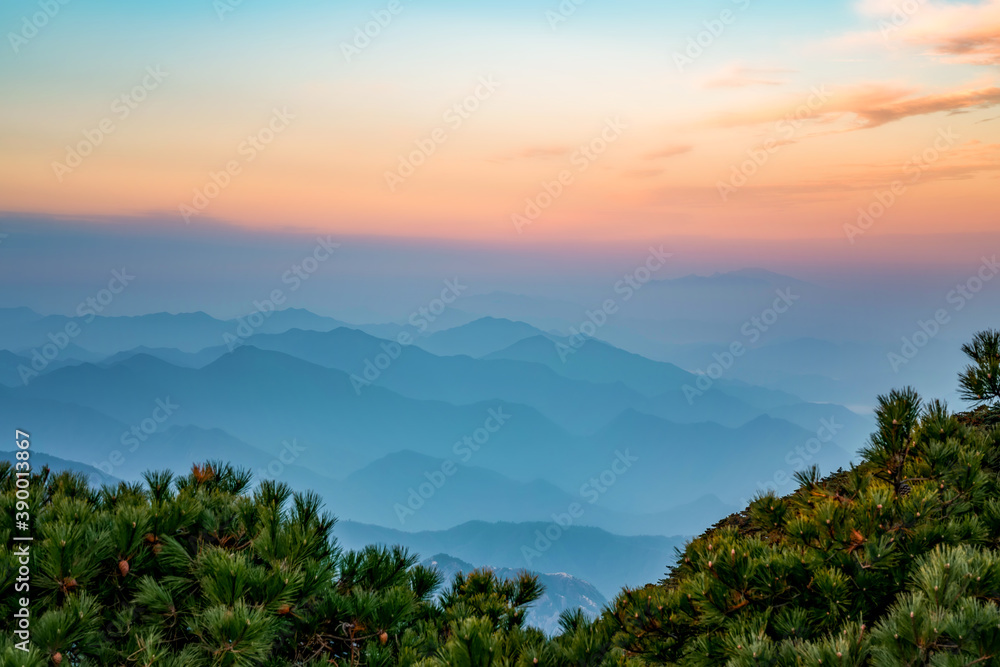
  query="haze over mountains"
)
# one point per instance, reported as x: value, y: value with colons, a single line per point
x: 484, y: 435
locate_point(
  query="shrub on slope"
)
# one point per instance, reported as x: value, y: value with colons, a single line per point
x: 894, y: 562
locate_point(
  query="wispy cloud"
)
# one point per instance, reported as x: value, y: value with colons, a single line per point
x: 874, y: 113
x: 872, y: 105
x: 978, y: 46
x: 669, y: 151
x: 970, y: 160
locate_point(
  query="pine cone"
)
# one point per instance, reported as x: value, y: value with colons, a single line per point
x: 123, y: 567
x: 384, y: 637
x: 203, y: 474
x: 57, y: 658
x: 903, y: 489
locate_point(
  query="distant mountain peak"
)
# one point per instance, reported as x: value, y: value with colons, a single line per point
x: 490, y: 321
x: 480, y: 337
x: 194, y: 315
x: 24, y: 311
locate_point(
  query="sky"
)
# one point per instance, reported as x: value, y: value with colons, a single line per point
x: 838, y: 125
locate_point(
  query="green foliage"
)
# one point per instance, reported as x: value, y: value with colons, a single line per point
x: 205, y: 570
x: 980, y: 381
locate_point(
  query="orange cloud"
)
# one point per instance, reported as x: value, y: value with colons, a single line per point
x: 869, y: 106
x: 965, y: 33
x: 875, y: 114
x: 977, y: 47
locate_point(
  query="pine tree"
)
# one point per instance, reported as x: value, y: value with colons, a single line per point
x: 206, y: 570
x: 980, y: 381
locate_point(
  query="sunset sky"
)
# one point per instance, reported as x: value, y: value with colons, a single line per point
x: 876, y: 84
